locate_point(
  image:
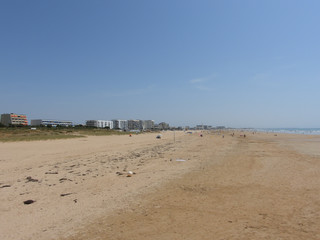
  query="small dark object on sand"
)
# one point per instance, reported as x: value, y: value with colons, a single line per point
x: 5, y: 186
x: 27, y: 202
x: 65, y: 194
x: 30, y: 179
x: 67, y: 179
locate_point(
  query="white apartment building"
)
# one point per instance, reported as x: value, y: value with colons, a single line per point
x: 147, y: 124
x: 120, y: 124
x: 134, y: 124
x: 140, y: 124
x: 47, y: 122
x: 163, y: 126
x: 100, y: 123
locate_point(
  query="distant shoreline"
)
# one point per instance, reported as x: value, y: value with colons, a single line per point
x: 301, y: 131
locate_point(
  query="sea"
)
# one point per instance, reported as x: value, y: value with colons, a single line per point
x: 308, y: 131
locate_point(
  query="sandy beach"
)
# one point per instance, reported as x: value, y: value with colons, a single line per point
x: 263, y: 186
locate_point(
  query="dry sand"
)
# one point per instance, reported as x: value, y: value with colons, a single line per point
x: 259, y: 187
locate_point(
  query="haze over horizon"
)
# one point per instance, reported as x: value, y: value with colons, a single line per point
x: 233, y: 63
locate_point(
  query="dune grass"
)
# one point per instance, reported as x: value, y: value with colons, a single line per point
x: 27, y: 134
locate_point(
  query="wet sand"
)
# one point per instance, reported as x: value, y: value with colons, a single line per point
x: 259, y: 187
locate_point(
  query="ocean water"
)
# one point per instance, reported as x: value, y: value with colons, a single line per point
x: 309, y: 131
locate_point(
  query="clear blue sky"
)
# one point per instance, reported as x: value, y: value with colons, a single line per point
x: 233, y: 63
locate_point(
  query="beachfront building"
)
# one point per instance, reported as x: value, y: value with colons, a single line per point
x: 141, y: 125
x: 100, y: 124
x: 134, y: 124
x: 147, y: 124
x: 163, y: 126
x: 120, y: 124
x: 50, y: 122
x: 199, y: 127
x: 8, y: 119
x: 203, y: 127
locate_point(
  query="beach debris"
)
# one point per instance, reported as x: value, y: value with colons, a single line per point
x: 75, y: 200
x: 51, y: 172
x: 30, y: 179
x: 180, y: 160
x: 119, y: 173
x: 158, y: 136
x: 4, y: 186
x: 130, y: 173
x: 65, y: 194
x: 27, y: 202
x: 64, y: 179
x: 24, y: 193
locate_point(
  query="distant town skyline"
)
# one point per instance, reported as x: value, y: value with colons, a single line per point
x: 16, y: 119
x: 230, y: 63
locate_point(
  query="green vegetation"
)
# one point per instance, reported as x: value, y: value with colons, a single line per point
x: 100, y: 132
x: 12, y: 134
